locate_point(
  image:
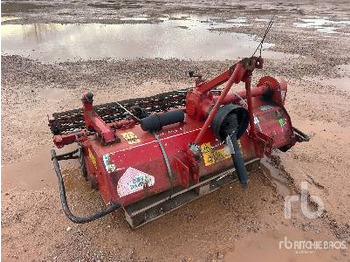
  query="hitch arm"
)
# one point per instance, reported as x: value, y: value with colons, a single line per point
x: 242, y: 71
x: 234, y: 78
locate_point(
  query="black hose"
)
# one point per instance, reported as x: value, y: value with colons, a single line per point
x: 155, y: 122
x: 238, y: 159
x: 79, y: 220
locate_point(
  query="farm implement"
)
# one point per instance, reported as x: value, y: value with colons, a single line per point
x: 152, y: 155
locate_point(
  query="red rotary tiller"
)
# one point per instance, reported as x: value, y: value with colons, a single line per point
x: 150, y: 156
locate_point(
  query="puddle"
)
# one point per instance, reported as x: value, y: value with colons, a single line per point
x: 70, y: 42
x: 8, y: 18
x: 261, y: 20
x: 240, y: 21
x: 137, y: 18
x: 230, y: 23
x: 274, y: 174
x: 35, y: 173
x: 322, y: 25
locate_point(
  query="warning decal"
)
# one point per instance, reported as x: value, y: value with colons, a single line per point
x: 132, y: 181
x: 212, y: 156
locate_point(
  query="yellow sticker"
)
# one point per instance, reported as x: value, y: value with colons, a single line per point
x: 206, y: 148
x: 92, y: 158
x: 212, y: 156
x: 131, y: 138
x: 240, y: 147
x: 208, y: 158
x: 221, y: 154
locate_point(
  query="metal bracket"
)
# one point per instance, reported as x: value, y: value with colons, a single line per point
x: 184, y: 171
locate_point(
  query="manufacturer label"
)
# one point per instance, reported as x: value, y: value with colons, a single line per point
x: 132, y: 181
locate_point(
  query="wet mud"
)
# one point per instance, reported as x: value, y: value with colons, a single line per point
x: 50, y: 58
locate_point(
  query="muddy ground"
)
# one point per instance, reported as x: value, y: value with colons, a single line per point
x: 229, y: 224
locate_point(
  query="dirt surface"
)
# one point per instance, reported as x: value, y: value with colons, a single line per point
x: 230, y: 224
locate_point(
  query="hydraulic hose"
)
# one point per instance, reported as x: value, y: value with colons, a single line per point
x: 79, y: 220
x: 237, y: 158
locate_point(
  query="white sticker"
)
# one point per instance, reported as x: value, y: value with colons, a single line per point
x: 256, y: 120
x: 132, y: 181
x: 283, y: 95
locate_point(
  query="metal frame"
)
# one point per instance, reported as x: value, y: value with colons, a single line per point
x: 154, y: 207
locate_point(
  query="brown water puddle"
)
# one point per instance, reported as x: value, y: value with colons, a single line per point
x: 281, y: 184
x: 185, y: 38
x: 34, y: 173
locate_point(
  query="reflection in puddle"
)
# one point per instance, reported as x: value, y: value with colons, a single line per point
x: 321, y: 25
x: 240, y: 21
x: 261, y: 20
x: 273, y: 173
x: 137, y: 18
x: 62, y: 42
x: 8, y: 18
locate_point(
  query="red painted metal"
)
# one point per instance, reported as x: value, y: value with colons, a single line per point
x: 128, y: 165
x: 94, y: 122
x: 234, y: 78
